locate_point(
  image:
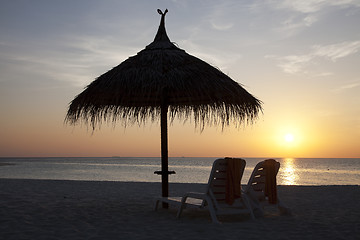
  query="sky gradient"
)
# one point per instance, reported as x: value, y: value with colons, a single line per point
x: 299, y: 57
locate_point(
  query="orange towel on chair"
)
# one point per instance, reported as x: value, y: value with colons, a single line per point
x: 233, y: 180
x: 270, y: 181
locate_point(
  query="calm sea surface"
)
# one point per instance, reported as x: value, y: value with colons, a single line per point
x: 293, y: 171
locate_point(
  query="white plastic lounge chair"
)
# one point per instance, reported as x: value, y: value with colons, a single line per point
x: 262, y: 188
x: 219, y: 192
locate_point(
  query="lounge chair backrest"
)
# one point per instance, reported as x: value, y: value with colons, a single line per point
x: 258, y: 178
x: 217, y: 180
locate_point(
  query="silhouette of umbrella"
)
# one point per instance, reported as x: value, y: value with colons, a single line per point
x: 163, y: 79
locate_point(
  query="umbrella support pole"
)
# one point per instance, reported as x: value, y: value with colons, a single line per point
x: 164, y: 151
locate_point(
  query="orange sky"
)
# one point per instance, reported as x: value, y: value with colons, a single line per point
x: 299, y: 57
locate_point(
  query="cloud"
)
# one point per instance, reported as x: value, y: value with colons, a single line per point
x: 293, y: 25
x: 311, y: 6
x: 219, y: 17
x: 297, y: 63
x: 336, y: 51
x: 221, y: 26
x: 70, y: 60
x: 308, y: 6
x: 309, y: 20
x: 324, y: 74
x: 294, y: 63
x: 302, y: 14
x: 345, y: 87
x: 350, y: 86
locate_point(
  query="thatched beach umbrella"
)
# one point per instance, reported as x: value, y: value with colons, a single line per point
x: 163, y: 79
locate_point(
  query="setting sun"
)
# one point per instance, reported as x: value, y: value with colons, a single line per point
x: 289, y: 137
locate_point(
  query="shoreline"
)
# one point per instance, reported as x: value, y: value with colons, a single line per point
x: 66, y: 209
x: 170, y: 183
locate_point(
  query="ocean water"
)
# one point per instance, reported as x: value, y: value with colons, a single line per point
x: 293, y: 171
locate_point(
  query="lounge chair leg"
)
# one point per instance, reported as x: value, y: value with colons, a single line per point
x: 258, y: 212
x: 182, y: 205
x: 156, y: 204
x: 212, y: 211
x: 283, y: 209
x: 213, y: 216
x: 247, y: 204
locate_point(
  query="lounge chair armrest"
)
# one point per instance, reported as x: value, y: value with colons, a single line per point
x: 196, y: 195
x: 205, y: 198
x: 195, y: 198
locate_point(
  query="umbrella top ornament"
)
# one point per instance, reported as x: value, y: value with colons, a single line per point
x: 163, y: 80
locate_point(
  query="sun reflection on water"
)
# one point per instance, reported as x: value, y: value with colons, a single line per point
x: 289, y: 176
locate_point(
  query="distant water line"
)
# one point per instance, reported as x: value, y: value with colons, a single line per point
x: 300, y: 171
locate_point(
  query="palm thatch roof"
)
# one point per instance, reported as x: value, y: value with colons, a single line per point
x: 135, y: 90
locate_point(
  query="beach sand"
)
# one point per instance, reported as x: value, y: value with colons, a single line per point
x: 49, y: 209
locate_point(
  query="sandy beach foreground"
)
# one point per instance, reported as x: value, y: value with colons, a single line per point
x: 49, y: 209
